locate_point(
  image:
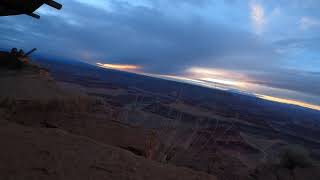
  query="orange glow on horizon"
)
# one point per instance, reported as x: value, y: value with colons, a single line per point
x: 224, y: 81
x: 220, y: 76
x: 210, y: 78
x: 239, y: 84
x: 216, y: 73
x: 289, y: 101
x: 121, y: 67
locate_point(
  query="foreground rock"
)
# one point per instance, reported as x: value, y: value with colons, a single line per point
x: 38, y: 153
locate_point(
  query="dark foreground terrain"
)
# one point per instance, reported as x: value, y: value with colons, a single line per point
x: 78, y: 121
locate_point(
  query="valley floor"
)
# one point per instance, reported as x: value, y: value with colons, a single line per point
x: 66, y: 130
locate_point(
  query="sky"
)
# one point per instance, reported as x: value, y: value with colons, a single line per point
x: 267, y: 48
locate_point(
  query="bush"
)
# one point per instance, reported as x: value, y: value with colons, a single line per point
x: 295, y: 156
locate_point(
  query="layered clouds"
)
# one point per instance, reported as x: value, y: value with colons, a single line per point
x: 172, y: 37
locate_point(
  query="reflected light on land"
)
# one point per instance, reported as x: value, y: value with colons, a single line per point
x: 289, y: 101
x: 121, y: 67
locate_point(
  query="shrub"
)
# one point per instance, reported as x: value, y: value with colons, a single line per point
x: 295, y: 156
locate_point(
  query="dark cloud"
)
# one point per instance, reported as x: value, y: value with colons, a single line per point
x: 300, y: 81
x: 147, y: 36
x: 139, y: 35
x: 179, y: 2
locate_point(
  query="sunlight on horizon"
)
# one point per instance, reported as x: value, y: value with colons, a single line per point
x: 121, y: 67
x: 288, y: 101
x: 216, y: 79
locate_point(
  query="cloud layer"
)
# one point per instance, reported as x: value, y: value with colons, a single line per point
x: 173, y: 36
